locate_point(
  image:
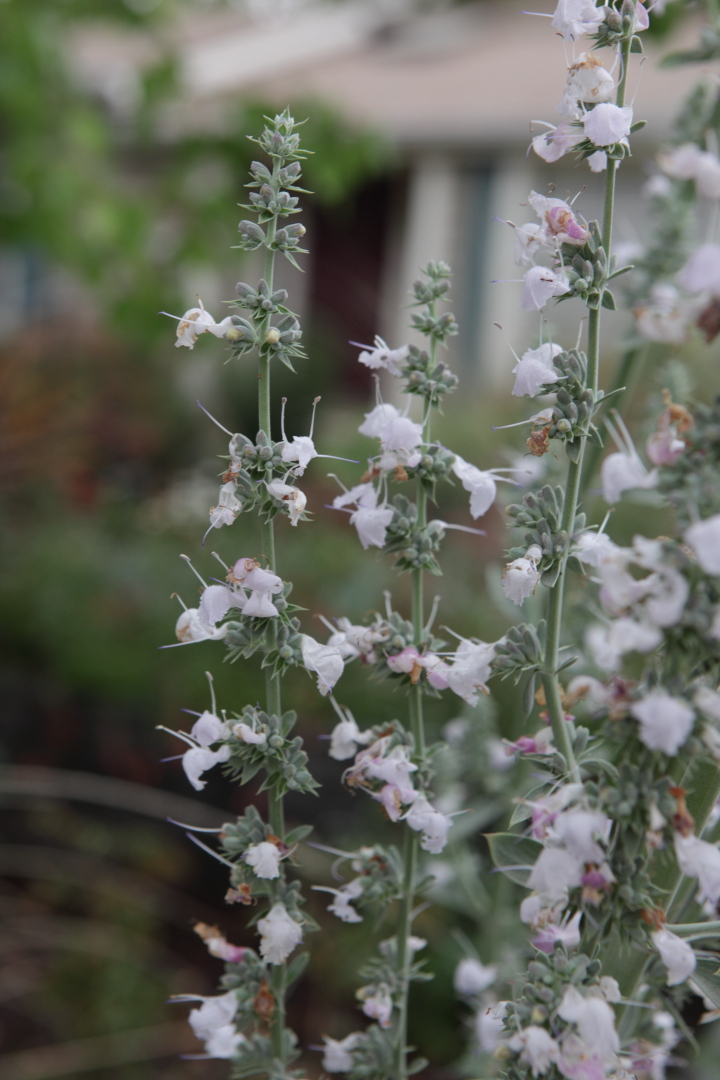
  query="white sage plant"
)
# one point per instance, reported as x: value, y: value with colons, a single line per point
x: 247, y: 609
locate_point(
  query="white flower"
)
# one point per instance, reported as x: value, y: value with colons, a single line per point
x: 573, y: 18
x: 567, y: 931
x: 609, y: 644
x: 301, y: 449
x: 394, y: 769
x: 342, y: 904
x: 377, y: 419
x: 555, y: 871
x: 555, y: 143
x: 198, y: 760
x: 595, y: 1021
x: 598, y: 161
x: 520, y: 577
x: 377, y: 1003
x: 677, y: 956
x: 280, y: 934
x: 529, y: 239
x: 539, y: 1049
x: 381, y: 356
x: 699, y: 859
x: 372, y: 525
x: 345, y: 739
x: 594, y: 548
x: 690, y: 162
x: 228, y: 507
x: 198, y: 321
x: 701, y: 273
x: 324, y: 660
x: 246, y: 734
x: 337, y: 1056
x: 623, y: 472
x: 589, y: 81
x: 216, y: 601
x: 471, y: 977
x: 535, y: 369
x: 704, y: 539
x: 490, y: 1027
x: 481, y: 485
x: 471, y: 669
x: 213, y: 1023
x: 540, y: 284
x: 607, y: 124
x: 294, y: 499
x: 423, y: 817
x: 664, y: 317
x: 190, y: 627
x: 708, y: 702
x: 214, y: 1013
x: 401, y: 433
x: 264, y: 858
x: 578, y: 829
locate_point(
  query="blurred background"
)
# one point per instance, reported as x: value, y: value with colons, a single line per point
x: 123, y: 152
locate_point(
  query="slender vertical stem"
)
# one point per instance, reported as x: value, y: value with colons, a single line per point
x: 276, y: 817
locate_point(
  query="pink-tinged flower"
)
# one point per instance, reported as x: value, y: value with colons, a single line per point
x: 540, y: 284
x: 540, y: 743
x: 699, y: 859
x: 198, y: 321
x: 382, y: 356
x: 568, y: 932
x: 701, y: 273
x: 377, y: 1003
x: 573, y: 18
x: 535, y: 369
x: 389, y: 799
x: 217, y: 944
x: 324, y: 660
x: 423, y: 817
x: 406, y: 662
x: 561, y: 225
x: 279, y: 934
x: 664, y: 447
x: 537, y: 1048
x: 608, y: 124
x: 704, y: 539
x: 554, y: 873
x: 677, y: 956
x: 556, y: 142
x: 547, y: 807
x: 436, y: 670
x: 588, y: 81
x: 472, y: 977
x: 577, y: 1063
x: 337, y: 1057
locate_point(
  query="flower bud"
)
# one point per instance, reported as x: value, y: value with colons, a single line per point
x: 272, y: 336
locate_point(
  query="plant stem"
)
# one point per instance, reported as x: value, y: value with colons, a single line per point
x: 273, y: 696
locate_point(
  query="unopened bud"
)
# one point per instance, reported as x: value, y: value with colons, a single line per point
x: 272, y: 336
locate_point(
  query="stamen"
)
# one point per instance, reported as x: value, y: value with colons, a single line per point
x: 388, y: 603
x: 187, y: 560
x: 282, y: 420
x: 210, y: 851
x: 212, y: 692
x: 193, y: 828
x: 201, y: 406
x: 216, y: 556
x: 178, y: 734
x: 433, y: 613
x: 312, y: 422
x: 499, y: 326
